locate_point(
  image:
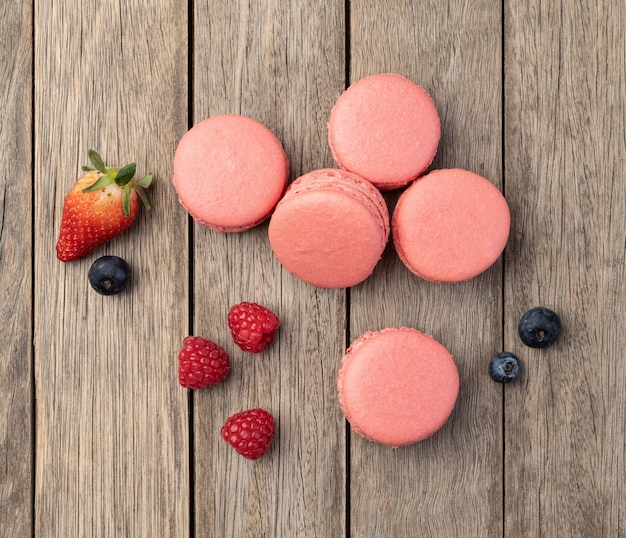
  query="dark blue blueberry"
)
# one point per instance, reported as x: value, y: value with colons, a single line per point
x: 504, y: 367
x: 109, y: 275
x: 539, y: 327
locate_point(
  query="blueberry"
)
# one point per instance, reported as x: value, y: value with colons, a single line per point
x: 504, y: 367
x: 109, y: 275
x: 539, y: 327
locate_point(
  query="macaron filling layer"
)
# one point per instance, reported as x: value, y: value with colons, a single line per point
x: 229, y: 172
x: 330, y: 229
x: 450, y: 225
x: 385, y: 128
x: 397, y: 386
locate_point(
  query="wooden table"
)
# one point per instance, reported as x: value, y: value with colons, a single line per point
x: 96, y: 436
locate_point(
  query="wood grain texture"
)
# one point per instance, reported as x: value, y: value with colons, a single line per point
x: 16, y: 432
x: 120, y: 449
x: 450, y: 484
x: 281, y: 63
x: 565, y: 149
x: 112, y: 433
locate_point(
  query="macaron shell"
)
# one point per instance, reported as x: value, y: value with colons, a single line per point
x: 385, y: 128
x: 450, y: 225
x: 397, y: 386
x: 229, y: 172
x: 348, y: 182
x: 330, y: 229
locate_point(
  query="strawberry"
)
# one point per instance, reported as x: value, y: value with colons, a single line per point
x: 201, y: 363
x: 252, y: 326
x: 250, y: 432
x: 101, y: 205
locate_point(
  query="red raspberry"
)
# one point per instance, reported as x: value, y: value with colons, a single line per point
x: 201, y: 363
x: 252, y: 326
x: 250, y: 432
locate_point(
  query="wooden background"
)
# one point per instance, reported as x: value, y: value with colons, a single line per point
x: 96, y: 436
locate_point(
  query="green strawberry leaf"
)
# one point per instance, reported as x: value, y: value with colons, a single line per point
x: 125, y: 174
x: 143, y: 198
x: 126, y: 200
x: 88, y: 169
x: 102, y: 182
x: 145, y: 181
x: 97, y: 161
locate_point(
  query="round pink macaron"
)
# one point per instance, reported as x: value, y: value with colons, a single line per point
x: 330, y: 229
x: 450, y: 225
x: 397, y: 386
x: 229, y: 172
x: 386, y: 129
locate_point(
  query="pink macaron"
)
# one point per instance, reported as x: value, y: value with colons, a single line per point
x: 386, y: 129
x: 397, y: 386
x: 330, y: 229
x: 450, y: 225
x: 229, y: 172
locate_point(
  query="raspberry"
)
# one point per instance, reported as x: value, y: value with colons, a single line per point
x: 252, y: 326
x: 201, y: 363
x: 250, y: 432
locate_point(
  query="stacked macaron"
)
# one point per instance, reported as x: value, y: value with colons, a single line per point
x: 330, y: 228
x: 450, y: 225
x: 229, y: 172
x: 397, y: 386
x: 386, y: 129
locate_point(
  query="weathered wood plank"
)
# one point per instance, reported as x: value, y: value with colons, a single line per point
x: 112, y: 434
x: 565, y: 153
x: 281, y: 63
x: 450, y: 484
x: 16, y: 463
x: 111, y: 422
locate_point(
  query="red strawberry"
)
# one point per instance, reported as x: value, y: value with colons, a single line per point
x: 201, y: 363
x: 250, y: 432
x: 101, y: 205
x: 252, y: 326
